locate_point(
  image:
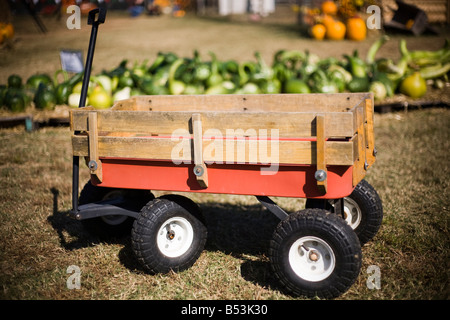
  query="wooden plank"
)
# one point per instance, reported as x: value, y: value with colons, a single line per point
x: 321, y: 151
x: 200, y: 169
x: 359, y: 170
x: 369, y: 132
x: 295, y: 124
x: 337, y: 102
x: 217, y: 150
x: 95, y: 165
x: 82, y: 109
x: 12, y: 121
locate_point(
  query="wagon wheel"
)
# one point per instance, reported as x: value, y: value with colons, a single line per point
x: 315, y: 254
x: 168, y: 235
x: 363, y: 210
x: 111, y: 225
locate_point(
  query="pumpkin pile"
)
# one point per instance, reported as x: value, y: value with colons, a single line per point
x: 336, y: 22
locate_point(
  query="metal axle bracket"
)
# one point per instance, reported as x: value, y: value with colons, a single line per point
x: 111, y: 207
x: 272, y: 207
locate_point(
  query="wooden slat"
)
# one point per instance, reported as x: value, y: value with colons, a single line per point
x: 289, y: 152
x: 202, y: 176
x: 96, y: 171
x: 321, y: 150
x: 295, y: 124
x: 337, y: 102
x: 369, y: 132
x: 71, y: 122
x: 359, y: 170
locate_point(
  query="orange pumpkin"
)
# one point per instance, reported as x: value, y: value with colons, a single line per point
x: 356, y: 29
x: 7, y: 30
x: 329, y: 7
x: 318, y: 31
x: 326, y: 20
x: 336, y: 31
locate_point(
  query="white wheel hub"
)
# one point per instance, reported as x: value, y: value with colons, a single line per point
x: 311, y: 258
x: 175, y: 237
x: 352, y: 213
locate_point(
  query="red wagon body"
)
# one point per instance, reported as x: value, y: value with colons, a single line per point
x: 267, y: 145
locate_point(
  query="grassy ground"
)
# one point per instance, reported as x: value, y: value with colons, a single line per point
x: 38, y: 241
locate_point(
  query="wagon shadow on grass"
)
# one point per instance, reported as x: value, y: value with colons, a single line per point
x: 242, y: 231
x: 71, y: 233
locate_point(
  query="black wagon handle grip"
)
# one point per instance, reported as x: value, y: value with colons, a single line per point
x: 100, y: 18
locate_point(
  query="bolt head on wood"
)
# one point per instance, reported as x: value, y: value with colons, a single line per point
x: 320, y: 175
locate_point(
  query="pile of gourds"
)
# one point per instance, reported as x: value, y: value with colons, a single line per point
x: 291, y: 71
x: 327, y: 25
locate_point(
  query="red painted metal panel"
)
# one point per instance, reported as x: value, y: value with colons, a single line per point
x: 241, y: 179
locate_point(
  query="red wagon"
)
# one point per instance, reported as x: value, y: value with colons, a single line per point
x: 313, y: 146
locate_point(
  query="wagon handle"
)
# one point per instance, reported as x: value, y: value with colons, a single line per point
x: 87, y: 73
x: 101, y: 16
x: 90, y: 55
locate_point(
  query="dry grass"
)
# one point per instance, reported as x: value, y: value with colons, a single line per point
x: 38, y: 241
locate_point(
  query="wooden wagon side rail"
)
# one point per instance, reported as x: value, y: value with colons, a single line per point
x: 338, y: 102
x: 311, y: 138
x: 163, y: 123
x: 291, y: 152
x: 363, y: 140
x: 158, y: 135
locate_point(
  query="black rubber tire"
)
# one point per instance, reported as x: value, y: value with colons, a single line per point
x: 101, y: 227
x: 336, y: 233
x: 145, y: 231
x: 368, y: 201
x: 187, y: 204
